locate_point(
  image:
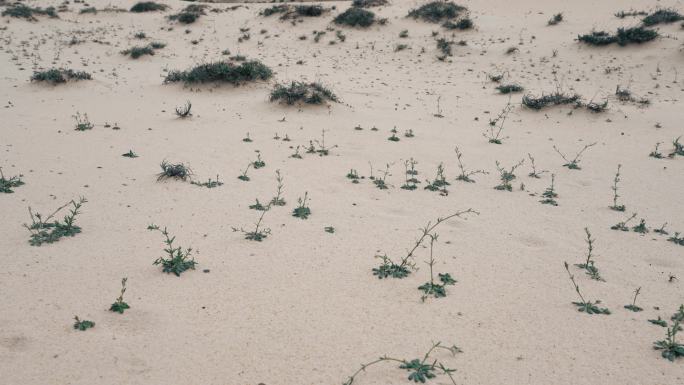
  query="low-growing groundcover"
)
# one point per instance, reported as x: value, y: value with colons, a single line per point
x: 355, y: 17
x: 222, y: 71
x: 137, y: 51
x: 296, y: 92
x: 189, y: 14
x: 662, y: 16
x: 437, y: 11
x: 289, y: 12
x: 59, y: 75
x: 148, y: 6
x: 23, y: 11
x: 623, y: 36
x: 369, y: 3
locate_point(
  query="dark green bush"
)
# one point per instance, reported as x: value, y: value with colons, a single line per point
x: 309, y: 10
x: 92, y: 10
x: 23, y: 11
x: 296, y: 92
x: 274, y: 9
x: 189, y: 14
x: 136, y: 52
x: 368, y: 3
x: 623, y: 36
x: 462, y: 24
x: 509, y: 88
x: 553, y: 99
x: 597, y: 38
x: 355, y: 17
x: 662, y: 16
x: 436, y: 11
x: 56, y: 75
x: 148, y: 6
x: 222, y: 71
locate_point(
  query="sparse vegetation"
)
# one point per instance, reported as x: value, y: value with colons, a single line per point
x: 119, y: 306
x: 623, y: 36
x: 222, y: 72
x: 355, y: 17
x: 177, y: 260
x: 573, y: 164
x: 49, y: 230
x: 662, y: 16
x: 59, y: 75
x: 437, y: 11
x: 583, y: 305
x: 82, y: 325
x: 23, y: 11
x: 300, y: 92
x: 148, y: 6
x: 6, y: 185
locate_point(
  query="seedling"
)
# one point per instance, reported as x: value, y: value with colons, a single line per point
x: 353, y: 175
x: 47, y: 230
x: 641, y: 227
x: 381, y: 182
x: 6, y: 185
x: 506, y: 176
x: 257, y: 164
x: 465, y: 175
x: 257, y: 206
x: 247, y: 139
x: 616, y: 180
x: 403, y: 268
x: 419, y: 370
x: 585, y: 306
x: 278, y: 200
x: 437, y: 290
x: 209, y: 183
x: 496, y: 125
x: 130, y: 154
x: 410, y: 175
x: 671, y: 349
x: 655, y: 153
x: 173, y: 171
x: 120, y: 306
x: 259, y: 233
x: 184, y: 110
x: 574, y: 163
x: 622, y: 226
x: 588, y: 265
x: 322, y: 149
x: 678, y: 148
x: 550, y: 194
x: 660, y: 322
x: 82, y: 325
x: 439, y: 183
x: 393, y: 138
x: 178, y: 260
x: 534, y: 173
x: 82, y: 122
x: 302, y: 211
x: 676, y: 239
x: 633, y: 307
x: 409, y: 133
x: 243, y: 176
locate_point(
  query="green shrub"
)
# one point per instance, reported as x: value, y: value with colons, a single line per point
x: 92, y: 10
x: 623, y: 36
x: 368, y: 3
x: 597, y: 38
x: 23, y: 11
x: 509, y: 88
x: 355, y: 17
x: 136, y: 52
x: 662, y: 16
x: 274, y: 9
x: 309, y: 10
x: 437, y: 11
x: 462, y: 24
x: 189, y: 14
x: 553, y: 99
x: 56, y: 75
x: 222, y: 71
x: 295, y: 92
x: 148, y: 6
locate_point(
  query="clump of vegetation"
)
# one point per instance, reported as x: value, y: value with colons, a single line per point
x: 437, y: 11
x: 439, y: 183
x: 420, y: 370
x: 662, y: 16
x: 82, y: 325
x: 23, y: 11
x: 633, y: 307
x: 302, y: 211
x: 432, y: 288
x: 403, y: 267
x: 177, y: 260
x: 148, y: 6
x: 506, y: 176
x: 535, y: 173
x: 82, y: 122
x: 189, y: 14
x: 129, y: 154
x: 6, y: 185
x: 119, y: 306
x: 588, y: 265
x: 59, y: 75
x: 631, y: 12
x: 670, y: 348
x: 678, y: 148
x: 410, y: 173
x: 222, y: 71
x: 300, y: 92
x: 622, y: 226
x: 138, y: 51
x: 354, y: 17
x: 173, y: 171
x: 557, y: 18
x: 676, y: 239
x: 623, y: 36
x: 50, y: 230
x: 465, y: 175
x: 553, y: 99
x: 210, y: 183
x: 462, y: 24
x: 585, y: 306
x: 550, y: 194
x: 573, y: 164
x: 369, y: 3
x: 509, y: 88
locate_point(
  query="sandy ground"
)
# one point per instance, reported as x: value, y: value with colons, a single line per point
x: 303, y: 306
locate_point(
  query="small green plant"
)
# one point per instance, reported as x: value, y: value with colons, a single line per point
x: 573, y: 164
x: 623, y: 36
x: 432, y: 288
x: 82, y: 325
x: 302, y: 211
x: 554, y: 99
x: 278, y: 200
x: 670, y: 348
x: 444, y: 46
x: 329, y: 229
x: 550, y: 194
x: 59, y: 75
x: 120, y: 306
x: 210, y: 183
x: 138, y: 51
x: 177, y: 260
x: 353, y: 175
x: 420, y: 370
x: 622, y: 226
x: 354, y: 17
x: 534, y: 173
x: 322, y: 149
x: 129, y: 154
x: 507, y: 176
x: 557, y: 18
x: 301, y: 92
x: 661, y: 230
x: 496, y: 126
x: 462, y: 24
x: 243, y: 177
x: 585, y: 306
x: 184, y: 110
x: 439, y: 183
x: 23, y: 11
x: 258, y: 163
x: 655, y: 153
x: 437, y: 11
x: 465, y: 175
x: 616, y: 180
x: 509, y: 88
x: 588, y: 265
x: 678, y: 148
x: 410, y: 175
x: 173, y: 171
x: 403, y: 267
x: 222, y: 72
x: 50, y: 230
x: 82, y: 122
x: 6, y: 185
x: 641, y: 227
x: 676, y: 239
x: 660, y: 322
x: 259, y: 233
x: 148, y: 6
x: 381, y: 183
x: 189, y: 14
x: 662, y: 15
x: 633, y: 307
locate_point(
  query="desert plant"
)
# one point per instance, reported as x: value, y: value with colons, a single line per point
x: 184, y: 110
x: 353, y: 175
x: 509, y: 88
x: 623, y: 36
x: 616, y: 180
x: 496, y: 125
x: 573, y: 164
x: 368, y: 3
x: 301, y: 92
x: 259, y: 233
x: 82, y: 325
x: 420, y: 370
x: 354, y: 17
x: 641, y: 227
x: 381, y: 182
x: 585, y: 306
x: 280, y: 8
x: 210, y: 183
x: 678, y: 148
x: 222, y: 72
x: 278, y: 200
x: 439, y: 183
x: 6, y: 185
x: 129, y: 154
x: 302, y: 211
x: 119, y: 305
x: 177, y: 260
x: 660, y: 322
x: 655, y: 153
x: 173, y: 171
x: 557, y: 18
x: 622, y: 226
x: 676, y: 239
x: 633, y: 307
x: 189, y: 14
x: 462, y: 24
x: 50, y: 230
x: 661, y: 230
x: 507, y: 176
x: 403, y: 267
x: 243, y: 177
x: 553, y: 99
x: 23, y: 11
x: 670, y: 348
x: 588, y: 265
x: 437, y: 11
x: 550, y: 194
x: 662, y: 15
x: 258, y: 163
x: 534, y: 173
x: 59, y: 75
x: 82, y: 122
x: 321, y: 148
x: 410, y: 173
x: 138, y: 51
x: 465, y: 175
x: 444, y: 46
x: 431, y: 288
x: 148, y: 6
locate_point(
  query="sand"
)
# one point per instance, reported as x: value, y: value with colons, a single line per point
x: 303, y: 307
